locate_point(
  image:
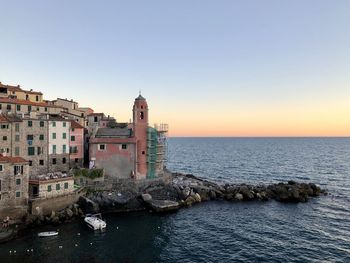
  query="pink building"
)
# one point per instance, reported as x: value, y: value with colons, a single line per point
x: 76, y: 145
x: 128, y: 150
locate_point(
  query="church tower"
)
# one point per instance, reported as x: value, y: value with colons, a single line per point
x: 140, y: 121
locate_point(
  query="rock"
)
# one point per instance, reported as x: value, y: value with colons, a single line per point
x: 186, y: 192
x: 198, y: 197
x: 189, y: 201
x: 212, y: 195
x: 246, y: 192
x: 146, y: 197
x: 161, y: 206
x: 69, y: 212
x: 53, y: 214
x: 239, y: 197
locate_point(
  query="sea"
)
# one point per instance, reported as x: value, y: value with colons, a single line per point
x: 220, y: 231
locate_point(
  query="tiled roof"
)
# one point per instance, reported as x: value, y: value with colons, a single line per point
x: 9, y: 118
x: 26, y: 102
x: 98, y: 114
x: 9, y: 159
x: 75, y: 125
x: 113, y: 132
x: 18, y: 88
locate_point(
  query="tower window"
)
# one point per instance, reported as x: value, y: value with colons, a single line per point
x: 141, y: 115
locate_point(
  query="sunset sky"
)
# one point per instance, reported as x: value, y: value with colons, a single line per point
x: 207, y: 68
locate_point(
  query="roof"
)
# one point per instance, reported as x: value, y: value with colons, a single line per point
x: 71, y: 100
x: 140, y: 97
x: 27, y: 102
x: 56, y: 118
x: 18, y: 88
x: 75, y: 125
x: 113, y: 132
x: 10, y: 159
x: 9, y: 118
x: 96, y: 114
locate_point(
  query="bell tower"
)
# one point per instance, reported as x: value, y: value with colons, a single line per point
x: 140, y: 122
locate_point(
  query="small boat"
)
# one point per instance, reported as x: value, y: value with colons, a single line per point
x: 95, y: 221
x: 48, y: 234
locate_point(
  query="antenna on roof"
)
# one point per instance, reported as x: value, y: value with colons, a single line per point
x: 139, y: 92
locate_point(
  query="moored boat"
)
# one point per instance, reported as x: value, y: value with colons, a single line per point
x: 48, y: 234
x: 95, y: 222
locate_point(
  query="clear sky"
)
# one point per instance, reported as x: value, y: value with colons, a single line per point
x: 208, y: 68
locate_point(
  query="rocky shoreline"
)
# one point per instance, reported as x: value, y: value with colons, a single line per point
x: 186, y: 190
x: 182, y: 190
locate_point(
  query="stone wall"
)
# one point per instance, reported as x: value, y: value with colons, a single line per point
x: 45, y: 206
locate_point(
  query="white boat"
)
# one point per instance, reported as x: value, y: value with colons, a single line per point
x: 95, y: 221
x: 48, y: 234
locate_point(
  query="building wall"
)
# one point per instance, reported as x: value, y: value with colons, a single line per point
x: 5, y: 133
x: 59, y: 129
x: 23, y: 108
x: 46, y: 206
x: 24, y: 144
x: 43, y: 187
x: 78, y: 134
x: 116, y: 162
x: 9, y: 187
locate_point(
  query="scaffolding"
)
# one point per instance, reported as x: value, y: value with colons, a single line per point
x: 156, y: 149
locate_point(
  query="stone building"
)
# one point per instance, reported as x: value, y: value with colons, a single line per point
x: 58, y: 144
x: 14, y: 175
x: 76, y: 145
x: 50, y: 185
x: 132, y: 150
x: 17, y: 92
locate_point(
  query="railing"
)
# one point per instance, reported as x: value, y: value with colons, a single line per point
x: 162, y: 127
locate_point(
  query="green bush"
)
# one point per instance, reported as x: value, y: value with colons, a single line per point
x: 89, y: 173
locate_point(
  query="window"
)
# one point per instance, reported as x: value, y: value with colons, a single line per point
x: 30, y: 137
x: 64, y: 148
x: 42, y: 124
x: 64, y: 160
x: 18, y: 181
x: 30, y: 123
x: 37, y: 98
x: 76, y: 160
x: 29, y: 108
x: 49, y: 188
x: 141, y: 115
x: 72, y: 129
x: 37, y: 109
x: 41, y: 162
x: 65, y: 185
x: 143, y: 152
x: 54, y: 161
x: 30, y: 163
x: 102, y: 147
x: 95, y: 119
x: 4, y: 126
x: 72, y: 138
x: 53, y: 124
x: 41, y: 137
x: 31, y: 150
x: 53, y: 135
x: 17, y: 127
x: 53, y: 149
x: 39, y: 151
x: 18, y: 169
x: 16, y: 151
x: 27, y: 97
x: 64, y: 124
x: 1, y: 167
x: 4, y: 138
x: 64, y: 135
x: 45, y: 108
x: 18, y: 107
x: 18, y: 194
x: 124, y: 146
x: 8, y: 107
x: 58, y: 186
x: 17, y: 137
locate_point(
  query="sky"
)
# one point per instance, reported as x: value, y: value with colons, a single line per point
x: 206, y: 67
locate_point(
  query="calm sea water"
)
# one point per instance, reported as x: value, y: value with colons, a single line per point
x: 317, y: 231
